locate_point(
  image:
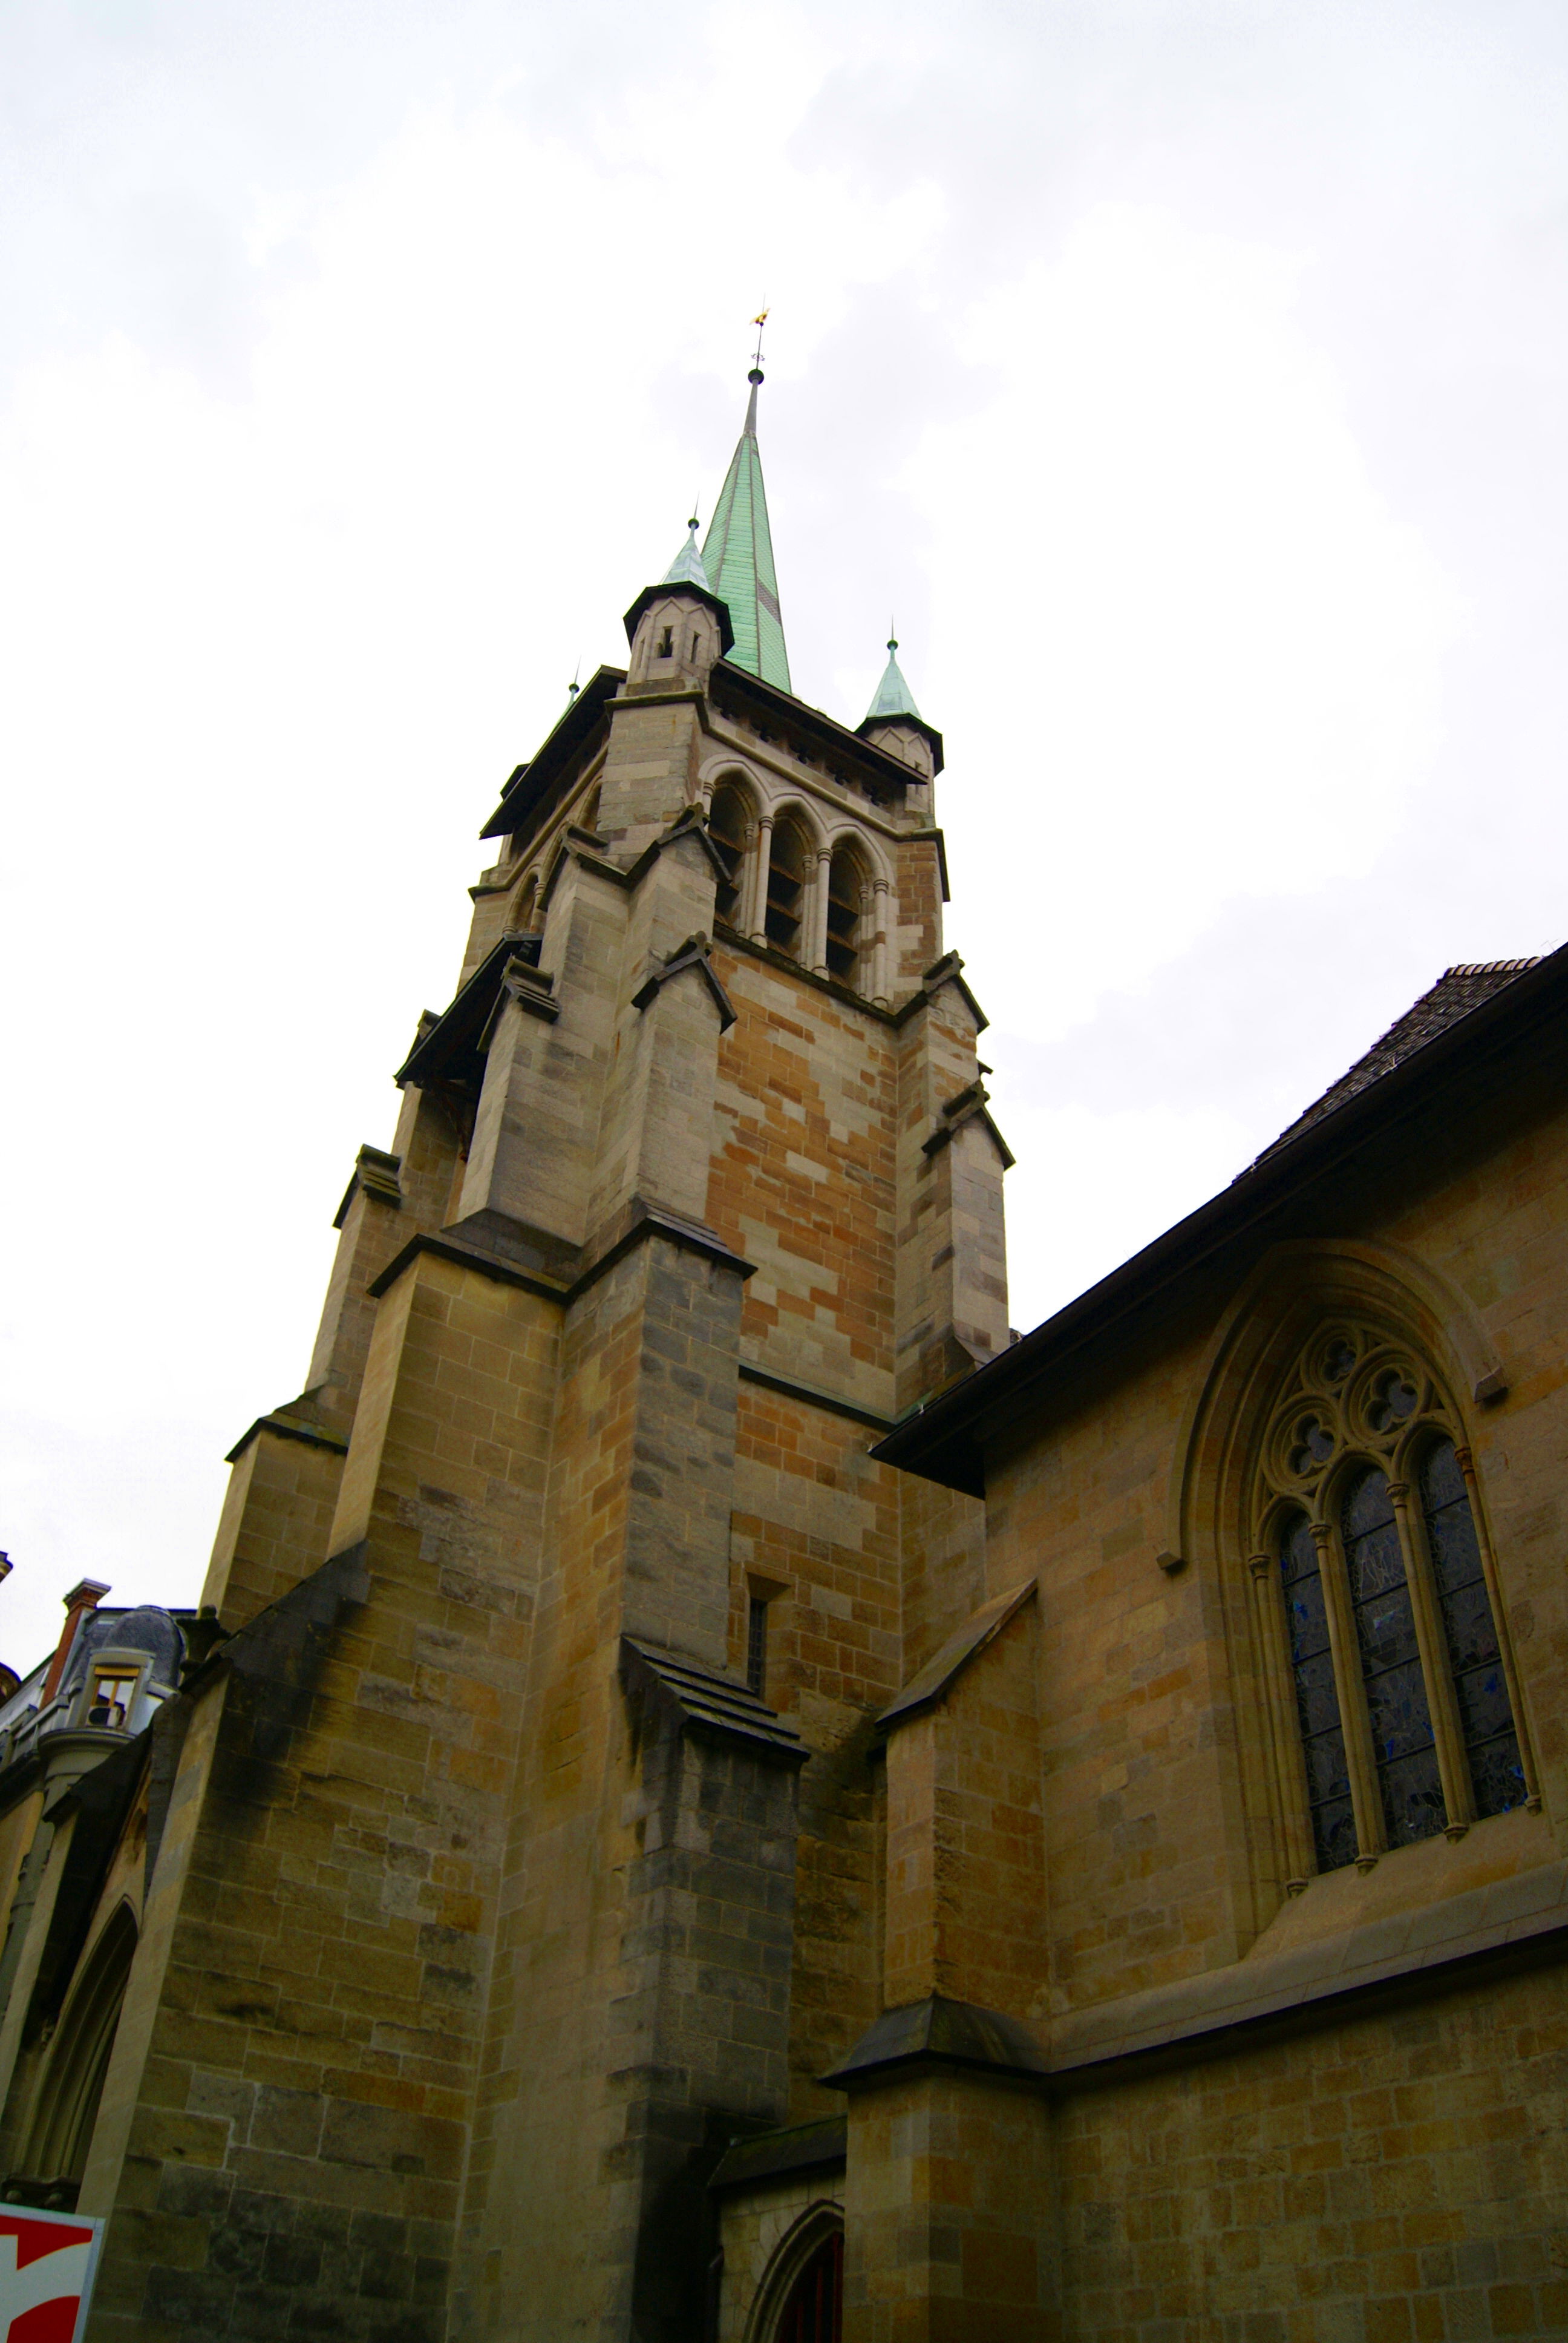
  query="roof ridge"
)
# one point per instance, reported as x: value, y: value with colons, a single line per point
x: 1487, y: 967
x: 1444, y: 1004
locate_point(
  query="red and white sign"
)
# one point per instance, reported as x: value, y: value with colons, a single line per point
x: 46, y: 2265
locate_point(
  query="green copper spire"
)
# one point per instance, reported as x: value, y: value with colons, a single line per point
x: 894, y: 696
x: 737, y: 556
x: 687, y: 569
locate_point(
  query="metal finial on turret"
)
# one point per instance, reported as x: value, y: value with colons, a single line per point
x: 894, y: 696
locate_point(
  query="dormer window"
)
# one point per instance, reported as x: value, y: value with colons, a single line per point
x: 114, y: 1690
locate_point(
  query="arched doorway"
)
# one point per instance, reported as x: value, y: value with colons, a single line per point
x: 813, y: 2309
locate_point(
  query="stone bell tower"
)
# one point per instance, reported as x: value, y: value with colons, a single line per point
x: 519, y: 1840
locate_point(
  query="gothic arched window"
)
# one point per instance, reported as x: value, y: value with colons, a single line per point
x: 727, y: 824
x: 1470, y: 1631
x: 1395, y: 1717
x: 1329, y: 1806
x: 1404, y: 1747
x: 846, y: 909
x: 785, y: 916
x: 61, y: 2132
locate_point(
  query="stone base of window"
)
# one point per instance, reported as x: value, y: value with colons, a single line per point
x: 1365, y: 1863
x: 1297, y: 1887
x: 1454, y: 1830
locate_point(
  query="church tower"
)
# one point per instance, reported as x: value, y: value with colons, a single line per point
x: 518, y: 1838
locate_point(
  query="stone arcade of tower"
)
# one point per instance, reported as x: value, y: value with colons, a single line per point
x: 715, y: 1796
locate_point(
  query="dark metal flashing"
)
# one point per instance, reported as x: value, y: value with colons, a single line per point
x: 712, y: 1705
x: 786, y: 709
x: 287, y: 1427
x: 820, y: 2146
x: 811, y: 1396
x: 927, y: 1687
x: 687, y: 1235
x: 732, y: 940
x: 692, y: 954
x: 949, y: 969
x: 450, y: 1048
x: 560, y: 749
x: 690, y: 1236
x: 494, y: 1266
x: 971, y: 1105
x: 938, y: 2032
x: 945, y: 1441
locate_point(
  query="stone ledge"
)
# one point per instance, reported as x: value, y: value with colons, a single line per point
x: 811, y: 1396
x: 1516, y: 1923
x: 1527, y: 1913
x: 286, y: 1429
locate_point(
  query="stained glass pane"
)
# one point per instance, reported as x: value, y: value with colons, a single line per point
x: 1481, y: 1689
x: 1317, y: 1701
x: 1403, y: 1742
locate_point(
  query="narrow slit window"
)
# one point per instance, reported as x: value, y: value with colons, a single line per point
x: 756, y: 1644
x: 1403, y: 1744
x: 667, y: 642
x: 1480, y: 1685
x: 1317, y: 1700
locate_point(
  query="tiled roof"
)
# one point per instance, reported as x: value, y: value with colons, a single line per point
x: 1457, y: 992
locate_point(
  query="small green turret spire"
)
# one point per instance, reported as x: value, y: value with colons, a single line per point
x: 737, y: 558
x: 687, y: 569
x: 894, y: 696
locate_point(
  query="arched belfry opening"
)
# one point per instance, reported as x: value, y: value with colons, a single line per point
x: 847, y: 894
x: 785, y: 919
x: 729, y: 826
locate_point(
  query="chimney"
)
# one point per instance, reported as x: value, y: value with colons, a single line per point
x: 82, y: 1599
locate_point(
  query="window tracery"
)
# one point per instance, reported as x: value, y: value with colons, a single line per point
x: 1394, y: 1712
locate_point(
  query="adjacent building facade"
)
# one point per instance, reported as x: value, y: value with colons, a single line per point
x: 712, y: 1792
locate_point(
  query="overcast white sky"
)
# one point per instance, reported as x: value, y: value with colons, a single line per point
x: 1187, y: 375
